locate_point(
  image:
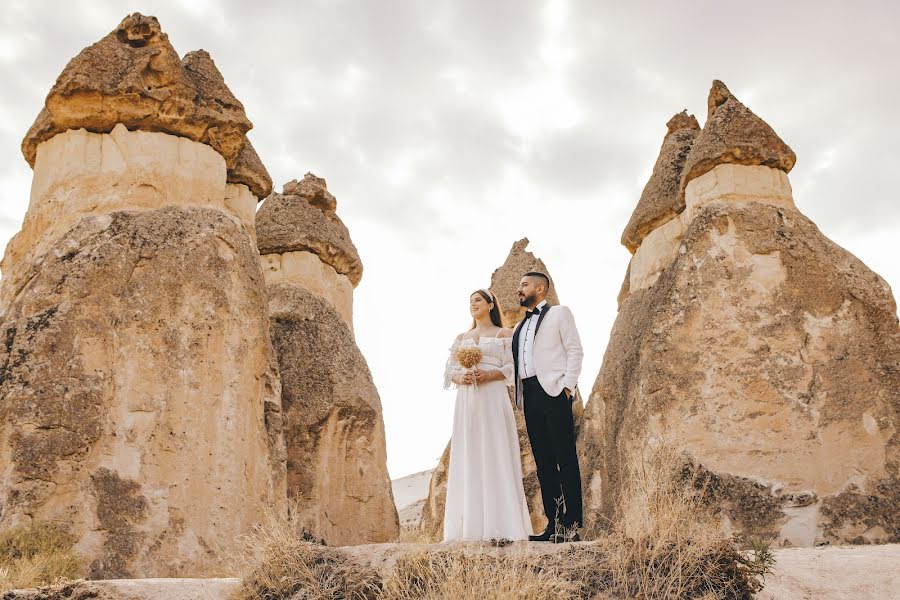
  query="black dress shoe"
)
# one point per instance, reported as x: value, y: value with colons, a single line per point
x: 562, y: 538
x: 543, y: 537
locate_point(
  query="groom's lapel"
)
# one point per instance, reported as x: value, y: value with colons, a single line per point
x: 515, y: 353
x: 515, y: 343
x: 541, y: 319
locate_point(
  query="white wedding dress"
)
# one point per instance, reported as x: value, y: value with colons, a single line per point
x: 485, y: 497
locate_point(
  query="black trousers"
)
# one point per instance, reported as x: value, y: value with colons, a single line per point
x: 551, y: 429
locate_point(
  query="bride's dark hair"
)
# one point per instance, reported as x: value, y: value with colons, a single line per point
x: 496, y: 317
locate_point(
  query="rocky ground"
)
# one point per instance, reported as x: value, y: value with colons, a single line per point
x: 825, y: 573
x: 835, y: 573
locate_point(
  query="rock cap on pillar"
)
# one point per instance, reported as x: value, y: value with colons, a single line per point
x: 303, y: 218
x: 134, y: 76
x: 661, y: 199
x: 732, y: 134
x: 314, y: 189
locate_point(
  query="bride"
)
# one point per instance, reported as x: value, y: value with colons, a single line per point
x: 485, y: 497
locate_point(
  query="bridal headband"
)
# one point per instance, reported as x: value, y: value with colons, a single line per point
x: 490, y: 295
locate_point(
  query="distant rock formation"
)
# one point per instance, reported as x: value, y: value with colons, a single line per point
x: 141, y: 400
x: 747, y: 338
x: 504, y: 285
x: 334, y: 431
x: 505, y: 281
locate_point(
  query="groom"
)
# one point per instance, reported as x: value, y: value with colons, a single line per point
x: 547, y: 355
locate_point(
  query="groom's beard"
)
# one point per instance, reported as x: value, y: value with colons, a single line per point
x: 528, y: 301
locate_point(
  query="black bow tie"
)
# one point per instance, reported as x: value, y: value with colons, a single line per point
x: 528, y: 313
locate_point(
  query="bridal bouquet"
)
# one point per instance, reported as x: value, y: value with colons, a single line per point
x: 468, y: 357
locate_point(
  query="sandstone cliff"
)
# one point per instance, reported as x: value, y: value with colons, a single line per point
x: 338, y: 482
x: 504, y: 285
x: 140, y: 393
x: 747, y: 338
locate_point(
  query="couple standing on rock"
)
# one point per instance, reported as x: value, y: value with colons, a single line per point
x: 542, y: 359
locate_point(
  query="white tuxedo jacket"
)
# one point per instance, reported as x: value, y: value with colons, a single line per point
x: 557, y: 352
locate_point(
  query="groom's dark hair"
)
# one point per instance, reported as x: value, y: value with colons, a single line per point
x: 539, y: 275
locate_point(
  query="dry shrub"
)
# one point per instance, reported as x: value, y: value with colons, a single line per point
x: 38, y: 554
x: 472, y: 574
x: 278, y: 564
x: 666, y: 543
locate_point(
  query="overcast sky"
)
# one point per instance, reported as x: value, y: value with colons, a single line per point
x: 449, y: 129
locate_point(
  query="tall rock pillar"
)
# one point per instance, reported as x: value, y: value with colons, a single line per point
x: 140, y: 396
x: 338, y: 482
x: 748, y: 339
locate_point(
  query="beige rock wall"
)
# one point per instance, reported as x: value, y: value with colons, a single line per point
x: 724, y: 183
x: 79, y: 173
x: 307, y: 270
x: 141, y: 399
x: 338, y: 484
x: 769, y: 355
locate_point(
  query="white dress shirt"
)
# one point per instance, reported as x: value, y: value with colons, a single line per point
x: 526, y: 344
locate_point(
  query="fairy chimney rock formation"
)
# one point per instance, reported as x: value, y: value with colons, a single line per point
x: 141, y: 400
x: 337, y: 476
x: 504, y: 285
x: 737, y: 156
x: 762, y: 349
x: 303, y: 241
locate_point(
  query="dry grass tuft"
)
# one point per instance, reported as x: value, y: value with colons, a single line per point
x: 414, y: 534
x: 665, y: 542
x: 277, y: 564
x: 470, y: 574
x: 37, y: 554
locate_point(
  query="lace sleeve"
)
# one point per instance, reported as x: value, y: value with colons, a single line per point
x: 507, y: 367
x: 452, y: 367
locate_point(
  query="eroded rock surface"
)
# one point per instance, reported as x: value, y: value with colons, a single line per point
x: 137, y: 385
x: 141, y: 398
x: 334, y: 430
x: 505, y: 281
x: 765, y: 351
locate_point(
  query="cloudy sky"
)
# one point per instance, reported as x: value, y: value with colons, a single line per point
x: 449, y: 129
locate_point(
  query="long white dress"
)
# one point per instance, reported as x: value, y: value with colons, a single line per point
x: 485, y: 497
